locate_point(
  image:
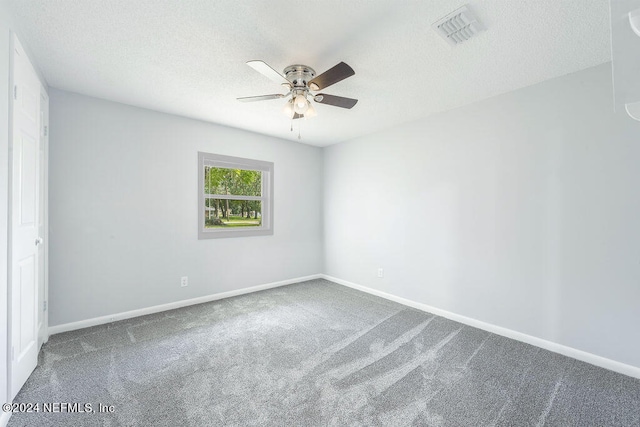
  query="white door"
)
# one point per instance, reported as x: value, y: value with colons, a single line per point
x: 42, y: 216
x: 25, y: 154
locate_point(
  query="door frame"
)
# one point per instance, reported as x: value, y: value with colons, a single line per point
x: 43, y: 306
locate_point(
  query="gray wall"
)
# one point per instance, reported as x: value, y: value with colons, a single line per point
x: 123, y: 210
x: 520, y: 211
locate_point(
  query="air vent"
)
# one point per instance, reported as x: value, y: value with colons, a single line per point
x: 458, y: 26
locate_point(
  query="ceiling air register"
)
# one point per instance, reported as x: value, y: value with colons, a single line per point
x: 458, y: 26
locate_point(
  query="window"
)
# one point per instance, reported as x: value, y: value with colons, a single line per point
x: 235, y: 197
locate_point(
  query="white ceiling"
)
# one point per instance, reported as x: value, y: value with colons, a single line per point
x: 188, y: 57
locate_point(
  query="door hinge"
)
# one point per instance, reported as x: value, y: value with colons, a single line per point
x: 44, y: 306
x: 15, y: 92
x: 46, y: 130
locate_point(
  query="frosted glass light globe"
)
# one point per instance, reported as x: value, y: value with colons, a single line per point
x: 300, y: 104
x: 288, y: 109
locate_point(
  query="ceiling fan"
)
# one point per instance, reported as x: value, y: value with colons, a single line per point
x: 300, y: 81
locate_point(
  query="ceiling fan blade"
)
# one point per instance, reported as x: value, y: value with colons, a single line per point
x: 336, y: 101
x: 297, y: 116
x: 264, y: 69
x: 261, y: 97
x: 331, y: 76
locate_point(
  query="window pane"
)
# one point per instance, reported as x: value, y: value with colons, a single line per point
x: 237, y: 182
x: 223, y: 213
x: 235, y: 197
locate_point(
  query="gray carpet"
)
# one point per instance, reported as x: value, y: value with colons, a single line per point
x: 316, y: 353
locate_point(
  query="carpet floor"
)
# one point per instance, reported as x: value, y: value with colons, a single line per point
x: 310, y: 354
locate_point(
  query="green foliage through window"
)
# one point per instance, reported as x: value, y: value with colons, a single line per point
x: 235, y: 197
x: 238, y: 182
x: 222, y: 212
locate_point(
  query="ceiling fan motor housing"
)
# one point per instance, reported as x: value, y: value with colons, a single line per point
x: 299, y: 75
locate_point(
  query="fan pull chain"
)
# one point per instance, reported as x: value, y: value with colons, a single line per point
x: 299, y: 125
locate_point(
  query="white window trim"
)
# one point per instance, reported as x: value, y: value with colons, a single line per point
x: 220, y: 161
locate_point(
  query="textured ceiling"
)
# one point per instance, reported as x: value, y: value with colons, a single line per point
x: 188, y: 57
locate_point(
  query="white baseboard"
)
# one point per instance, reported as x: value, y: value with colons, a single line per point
x: 65, y: 327
x: 593, y: 359
x: 4, y: 418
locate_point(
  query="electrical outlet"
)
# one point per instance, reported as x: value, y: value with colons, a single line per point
x: 380, y: 272
x: 184, y: 281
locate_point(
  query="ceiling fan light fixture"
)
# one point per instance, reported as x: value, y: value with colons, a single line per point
x: 300, y: 104
x: 311, y: 112
x: 288, y: 109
